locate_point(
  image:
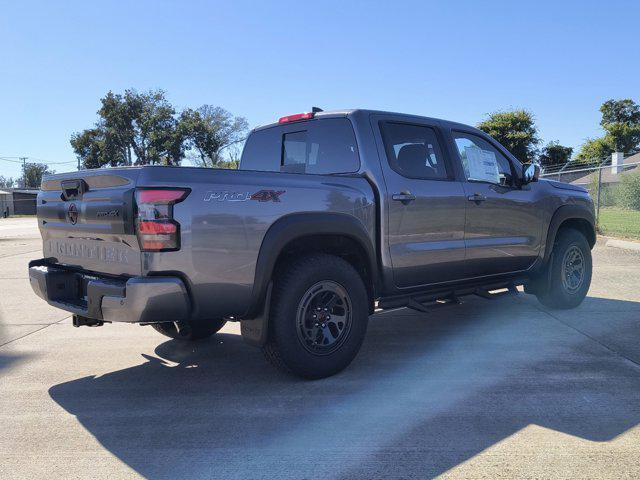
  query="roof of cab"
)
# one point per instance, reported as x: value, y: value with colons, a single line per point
x: 349, y: 112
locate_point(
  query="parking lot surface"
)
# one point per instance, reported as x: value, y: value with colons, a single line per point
x: 488, y: 389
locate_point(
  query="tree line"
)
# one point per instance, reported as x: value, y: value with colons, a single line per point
x: 143, y: 128
x: 516, y: 130
x: 32, y: 174
x: 137, y: 128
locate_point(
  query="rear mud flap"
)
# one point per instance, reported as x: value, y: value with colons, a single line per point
x: 255, y: 331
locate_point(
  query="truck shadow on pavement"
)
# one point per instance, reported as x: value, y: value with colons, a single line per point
x: 7, y: 360
x: 427, y: 392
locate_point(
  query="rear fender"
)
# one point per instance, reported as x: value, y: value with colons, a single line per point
x: 279, y: 235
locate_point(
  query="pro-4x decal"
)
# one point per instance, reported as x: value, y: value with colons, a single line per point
x: 260, y: 196
x: 267, y: 195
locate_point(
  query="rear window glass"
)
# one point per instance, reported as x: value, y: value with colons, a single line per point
x: 262, y: 150
x: 319, y: 146
x: 294, y: 152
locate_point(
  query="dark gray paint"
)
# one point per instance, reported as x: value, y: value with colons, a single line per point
x: 425, y: 236
x: 440, y: 237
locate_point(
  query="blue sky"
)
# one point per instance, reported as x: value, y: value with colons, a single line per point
x: 456, y: 60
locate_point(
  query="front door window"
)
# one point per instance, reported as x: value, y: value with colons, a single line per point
x: 482, y: 161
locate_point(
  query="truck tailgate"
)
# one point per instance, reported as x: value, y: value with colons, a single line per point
x: 86, y: 219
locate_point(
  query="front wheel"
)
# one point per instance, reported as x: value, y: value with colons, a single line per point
x: 319, y: 316
x: 194, y: 331
x: 569, y: 274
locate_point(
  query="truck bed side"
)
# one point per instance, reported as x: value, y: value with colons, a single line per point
x: 226, y: 217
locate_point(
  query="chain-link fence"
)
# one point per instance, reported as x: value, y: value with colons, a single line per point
x: 614, y: 185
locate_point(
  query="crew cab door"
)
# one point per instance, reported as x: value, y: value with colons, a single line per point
x: 503, y: 222
x: 425, y: 204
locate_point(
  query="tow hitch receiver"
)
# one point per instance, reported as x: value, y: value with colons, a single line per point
x: 79, y: 321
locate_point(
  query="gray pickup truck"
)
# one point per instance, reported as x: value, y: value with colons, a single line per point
x: 331, y: 217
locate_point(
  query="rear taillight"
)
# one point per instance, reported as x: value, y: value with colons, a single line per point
x: 156, y: 229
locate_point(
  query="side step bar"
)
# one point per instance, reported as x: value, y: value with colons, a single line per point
x: 510, y: 290
x: 427, y: 307
x: 428, y: 302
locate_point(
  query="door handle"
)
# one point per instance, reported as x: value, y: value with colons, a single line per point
x: 404, y: 197
x: 476, y: 197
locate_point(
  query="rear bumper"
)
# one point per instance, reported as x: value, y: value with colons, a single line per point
x: 125, y: 299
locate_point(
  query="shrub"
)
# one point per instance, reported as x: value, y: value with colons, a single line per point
x: 628, y: 191
x: 607, y: 197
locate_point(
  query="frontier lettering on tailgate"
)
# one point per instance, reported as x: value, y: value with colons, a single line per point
x: 105, y: 253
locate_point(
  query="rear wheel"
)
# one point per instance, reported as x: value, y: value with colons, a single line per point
x: 569, y: 276
x: 318, y: 318
x: 193, y: 331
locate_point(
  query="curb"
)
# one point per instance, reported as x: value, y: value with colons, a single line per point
x: 623, y: 244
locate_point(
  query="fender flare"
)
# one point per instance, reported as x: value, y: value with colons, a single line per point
x: 297, y: 225
x: 562, y: 214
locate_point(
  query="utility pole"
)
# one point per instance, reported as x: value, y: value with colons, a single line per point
x: 24, y: 171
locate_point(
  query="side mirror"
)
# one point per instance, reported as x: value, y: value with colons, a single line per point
x: 530, y: 173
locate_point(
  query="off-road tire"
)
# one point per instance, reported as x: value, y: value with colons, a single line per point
x: 553, y: 291
x: 287, y: 347
x: 196, y: 331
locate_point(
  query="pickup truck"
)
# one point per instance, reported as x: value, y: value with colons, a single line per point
x: 331, y: 217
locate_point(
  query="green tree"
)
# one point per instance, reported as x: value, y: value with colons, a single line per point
x: 143, y: 128
x: 621, y: 121
x: 6, y: 182
x: 620, y: 111
x: 91, y: 146
x: 142, y: 123
x: 515, y: 130
x: 88, y: 145
x: 133, y: 128
x: 595, y: 149
x: 555, y: 154
x: 621, y: 124
x: 232, y: 161
x: 33, y: 173
x: 208, y: 131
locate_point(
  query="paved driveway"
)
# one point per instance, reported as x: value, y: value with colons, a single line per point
x: 500, y: 388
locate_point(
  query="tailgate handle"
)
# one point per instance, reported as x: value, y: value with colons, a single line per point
x: 73, y: 189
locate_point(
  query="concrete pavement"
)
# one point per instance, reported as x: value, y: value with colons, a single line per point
x: 487, y: 389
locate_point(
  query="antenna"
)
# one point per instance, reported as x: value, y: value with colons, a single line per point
x: 316, y: 109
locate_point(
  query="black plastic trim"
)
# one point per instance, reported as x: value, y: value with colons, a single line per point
x: 65, y: 286
x: 562, y: 214
x: 294, y: 226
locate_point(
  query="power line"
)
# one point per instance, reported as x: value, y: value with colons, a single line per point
x: 51, y: 163
x: 23, y: 162
x: 40, y: 160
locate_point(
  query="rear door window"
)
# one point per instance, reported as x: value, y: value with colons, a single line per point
x: 413, y: 151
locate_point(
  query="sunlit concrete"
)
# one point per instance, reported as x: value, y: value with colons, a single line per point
x: 488, y: 389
